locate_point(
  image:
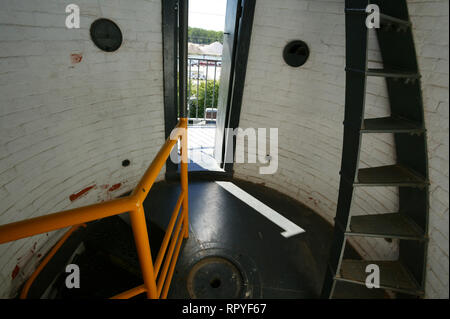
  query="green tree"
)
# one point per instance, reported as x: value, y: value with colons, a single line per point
x: 212, y: 97
x: 202, y: 36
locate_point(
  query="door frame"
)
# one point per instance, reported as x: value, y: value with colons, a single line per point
x: 169, y: 27
x: 236, y: 91
x: 239, y: 71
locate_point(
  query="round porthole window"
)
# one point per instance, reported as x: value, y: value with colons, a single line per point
x: 296, y: 53
x: 106, y: 35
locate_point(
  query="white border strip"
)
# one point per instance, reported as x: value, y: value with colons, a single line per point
x: 290, y: 229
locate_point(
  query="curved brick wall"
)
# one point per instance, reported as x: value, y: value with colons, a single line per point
x: 65, y: 127
x: 51, y: 162
x: 307, y: 105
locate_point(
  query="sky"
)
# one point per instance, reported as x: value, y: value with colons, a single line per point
x: 207, y: 14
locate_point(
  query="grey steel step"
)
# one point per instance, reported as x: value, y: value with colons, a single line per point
x: 390, y: 175
x: 387, y: 73
x: 348, y: 290
x: 387, y: 19
x: 391, y: 125
x: 393, y: 275
x: 384, y: 18
x: 390, y: 73
x: 392, y: 225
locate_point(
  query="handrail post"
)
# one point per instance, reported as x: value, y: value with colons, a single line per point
x: 184, y: 178
x: 183, y: 14
x: 140, y: 234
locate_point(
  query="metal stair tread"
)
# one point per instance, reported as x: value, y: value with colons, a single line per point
x: 391, y: 225
x: 384, y: 18
x: 392, y: 73
x: 349, y: 290
x: 389, y: 175
x: 393, y: 275
x: 391, y: 124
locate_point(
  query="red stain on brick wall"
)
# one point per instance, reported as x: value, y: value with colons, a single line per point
x: 75, y: 58
x: 15, y: 271
x: 80, y: 193
x: 114, y: 187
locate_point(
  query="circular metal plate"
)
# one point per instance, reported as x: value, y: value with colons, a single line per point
x: 106, y: 35
x: 296, y: 53
x: 215, y: 277
x: 212, y: 271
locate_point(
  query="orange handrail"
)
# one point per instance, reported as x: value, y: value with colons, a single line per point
x: 133, y: 204
x: 130, y: 293
x: 44, y: 262
x: 166, y: 238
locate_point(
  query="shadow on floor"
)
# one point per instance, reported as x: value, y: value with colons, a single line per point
x: 221, y: 225
x: 232, y: 251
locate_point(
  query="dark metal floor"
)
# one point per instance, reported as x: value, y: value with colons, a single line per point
x: 233, y: 250
x: 229, y: 239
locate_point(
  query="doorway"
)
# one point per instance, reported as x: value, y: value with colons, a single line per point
x: 218, y: 40
x: 205, y: 47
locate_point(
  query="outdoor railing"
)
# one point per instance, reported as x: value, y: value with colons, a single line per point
x: 157, y: 277
x: 202, y: 101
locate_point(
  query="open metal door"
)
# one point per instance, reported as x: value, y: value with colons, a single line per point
x: 232, y: 18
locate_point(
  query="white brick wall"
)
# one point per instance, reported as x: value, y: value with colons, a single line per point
x: 64, y: 126
x: 307, y: 105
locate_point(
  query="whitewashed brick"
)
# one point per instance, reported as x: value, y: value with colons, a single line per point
x: 65, y: 127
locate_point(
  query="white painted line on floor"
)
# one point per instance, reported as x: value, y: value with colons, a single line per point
x: 290, y: 229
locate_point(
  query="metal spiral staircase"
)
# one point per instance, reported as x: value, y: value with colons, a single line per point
x: 405, y: 276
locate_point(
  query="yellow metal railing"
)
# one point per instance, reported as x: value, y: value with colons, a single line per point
x: 157, y: 277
